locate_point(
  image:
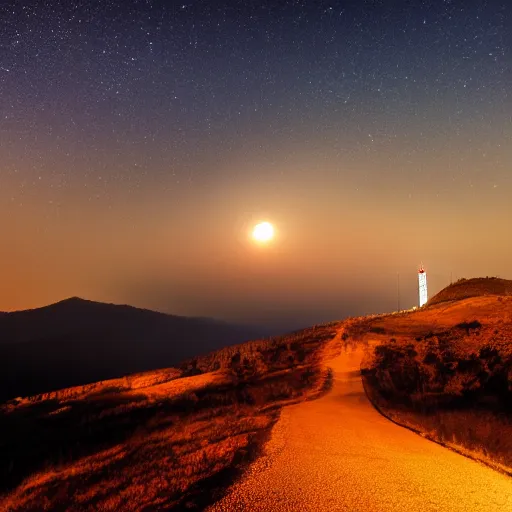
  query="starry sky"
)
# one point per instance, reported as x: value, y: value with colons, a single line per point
x: 141, y: 140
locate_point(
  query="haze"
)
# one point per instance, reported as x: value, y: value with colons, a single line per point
x: 140, y: 144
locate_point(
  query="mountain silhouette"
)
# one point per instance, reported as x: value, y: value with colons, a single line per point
x: 78, y: 341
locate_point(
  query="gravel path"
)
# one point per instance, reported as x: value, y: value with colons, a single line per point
x: 338, y: 454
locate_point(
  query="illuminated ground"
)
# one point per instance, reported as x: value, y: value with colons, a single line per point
x: 338, y: 453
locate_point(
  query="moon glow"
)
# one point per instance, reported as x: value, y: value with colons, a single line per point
x: 263, y: 232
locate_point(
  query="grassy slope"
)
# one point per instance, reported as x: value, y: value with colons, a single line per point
x: 478, y: 287
x: 170, y: 439
x: 446, y: 371
x: 155, y: 441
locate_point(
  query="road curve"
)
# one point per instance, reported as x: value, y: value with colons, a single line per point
x: 338, y: 454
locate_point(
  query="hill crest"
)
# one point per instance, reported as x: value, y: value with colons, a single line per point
x: 474, y: 287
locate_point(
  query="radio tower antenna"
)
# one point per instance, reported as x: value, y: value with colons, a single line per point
x: 398, y: 290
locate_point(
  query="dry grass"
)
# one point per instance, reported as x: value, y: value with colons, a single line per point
x: 149, y: 471
x: 261, y: 356
x: 467, y: 288
x: 447, y: 371
x: 154, y: 441
x: 121, y: 385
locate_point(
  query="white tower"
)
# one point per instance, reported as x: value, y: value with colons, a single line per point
x: 422, y: 280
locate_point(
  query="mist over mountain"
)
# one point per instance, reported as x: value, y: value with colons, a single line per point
x: 77, y: 341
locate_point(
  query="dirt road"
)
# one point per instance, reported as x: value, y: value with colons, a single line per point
x: 338, y: 454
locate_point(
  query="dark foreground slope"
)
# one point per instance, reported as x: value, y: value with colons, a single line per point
x: 77, y: 341
x: 446, y: 371
x: 165, y: 440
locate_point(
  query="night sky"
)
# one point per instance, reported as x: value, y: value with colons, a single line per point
x: 141, y: 140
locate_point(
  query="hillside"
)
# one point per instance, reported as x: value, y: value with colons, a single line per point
x: 446, y: 371
x: 175, y: 439
x: 77, y: 341
x: 476, y: 287
x: 164, y: 440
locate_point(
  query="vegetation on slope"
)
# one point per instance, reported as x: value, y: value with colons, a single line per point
x: 476, y: 287
x: 163, y: 440
x: 446, y: 371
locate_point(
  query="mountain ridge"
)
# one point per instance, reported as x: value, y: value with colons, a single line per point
x: 76, y: 341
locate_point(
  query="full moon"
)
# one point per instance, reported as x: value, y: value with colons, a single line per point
x: 263, y: 232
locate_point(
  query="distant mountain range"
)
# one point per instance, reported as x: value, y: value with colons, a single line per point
x: 78, y: 341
